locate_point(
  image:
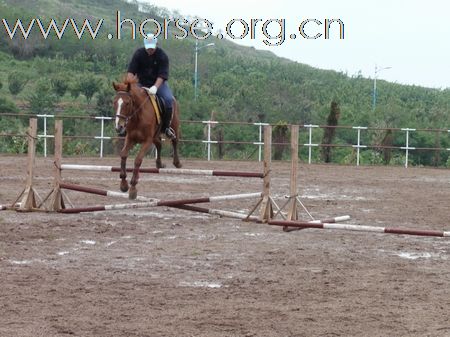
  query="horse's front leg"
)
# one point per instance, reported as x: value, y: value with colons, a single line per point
x: 132, y: 194
x: 123, y: 165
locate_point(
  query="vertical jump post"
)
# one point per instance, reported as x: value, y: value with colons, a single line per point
x: 293, y: 213
x: 266, y: 211
x: 28, y: 195
x: 57, y: 202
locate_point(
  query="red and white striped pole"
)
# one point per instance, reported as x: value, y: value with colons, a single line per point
x: 374, y: 229
x: 147, y: 202
x: 165, y: 170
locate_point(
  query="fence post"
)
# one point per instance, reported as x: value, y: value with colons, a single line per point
x: 449, y: 134
x: 260, y: 143
x: 359, y: 146
x: 45, y: 136
x: 102, y: 130
x: 407, y: 148
x: 310, y: 145
x: 209, y: 141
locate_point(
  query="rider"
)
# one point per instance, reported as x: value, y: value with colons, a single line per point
x: 151, y: 65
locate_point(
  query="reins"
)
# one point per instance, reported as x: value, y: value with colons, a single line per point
x: 127, y: 118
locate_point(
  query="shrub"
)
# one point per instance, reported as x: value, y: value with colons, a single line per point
x: 43, y: 99
x: 16, y: 82
x: 7, y: 106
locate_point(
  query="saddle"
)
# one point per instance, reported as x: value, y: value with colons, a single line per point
x: 159, y: 105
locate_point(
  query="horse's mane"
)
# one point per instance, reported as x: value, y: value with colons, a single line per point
x: 132, y: 83
x: 132, y: 80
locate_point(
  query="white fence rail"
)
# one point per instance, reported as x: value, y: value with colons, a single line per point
x: 258, y: 143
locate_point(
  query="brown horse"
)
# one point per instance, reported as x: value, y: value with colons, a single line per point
x: 135, y: 117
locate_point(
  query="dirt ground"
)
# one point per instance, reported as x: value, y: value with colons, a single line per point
x: 167, y: 272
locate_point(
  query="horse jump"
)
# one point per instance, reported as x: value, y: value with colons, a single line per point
x: 264, y: 196
x: 186, y: 204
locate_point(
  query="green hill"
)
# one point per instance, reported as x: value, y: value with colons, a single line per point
x: 236, y: 83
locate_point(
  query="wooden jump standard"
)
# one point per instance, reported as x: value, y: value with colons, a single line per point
x: 28, y: 195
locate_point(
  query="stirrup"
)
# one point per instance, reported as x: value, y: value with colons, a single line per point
x: 170, y: 133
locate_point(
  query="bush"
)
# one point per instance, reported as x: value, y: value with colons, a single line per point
x: 74, y: 88
x: 105, y: 101
x: 43, y: 99
x: 7, y: 106
x: 89, y: 85
x: 16, y: 82
x: 59, y: 85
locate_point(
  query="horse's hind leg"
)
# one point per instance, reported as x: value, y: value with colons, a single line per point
x: 157, y: 142
x: 176, y: 159
x: 176, y: 126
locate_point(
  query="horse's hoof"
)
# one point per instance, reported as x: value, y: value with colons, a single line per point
x: 160, y: 165
x: 132, y: 194
x: 177, y: 164
x: 124, y: 187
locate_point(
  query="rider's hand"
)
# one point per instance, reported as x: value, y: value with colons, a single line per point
x: 153, y: 90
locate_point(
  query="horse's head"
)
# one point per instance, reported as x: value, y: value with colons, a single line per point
x: 123, y: 106
x: 126, y: 102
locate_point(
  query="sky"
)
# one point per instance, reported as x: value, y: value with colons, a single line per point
x: 401, y: 41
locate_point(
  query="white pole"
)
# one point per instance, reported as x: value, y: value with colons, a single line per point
x: 101, y: 135
x: 209, y: 141
x: 45, y: 136
x: 310, y: 144
x: 260, y: 142
x: 407, y: 147
x: 359, y: 146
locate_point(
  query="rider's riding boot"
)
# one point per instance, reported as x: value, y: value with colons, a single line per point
x: 169, y: 132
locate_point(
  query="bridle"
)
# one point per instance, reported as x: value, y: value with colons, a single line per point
x: 128, y: 118
x: 121, y: 116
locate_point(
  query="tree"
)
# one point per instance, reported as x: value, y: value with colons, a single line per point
x: 105, y: 100
x: 43, y: 99
x: 89, y: 85
x: 330, y: 131
x: 74, y: 88
x: 59, y: 85
x: 386, y: 145
x: 280, y: 139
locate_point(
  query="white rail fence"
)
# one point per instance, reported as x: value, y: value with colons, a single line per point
x: 208, y: 141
